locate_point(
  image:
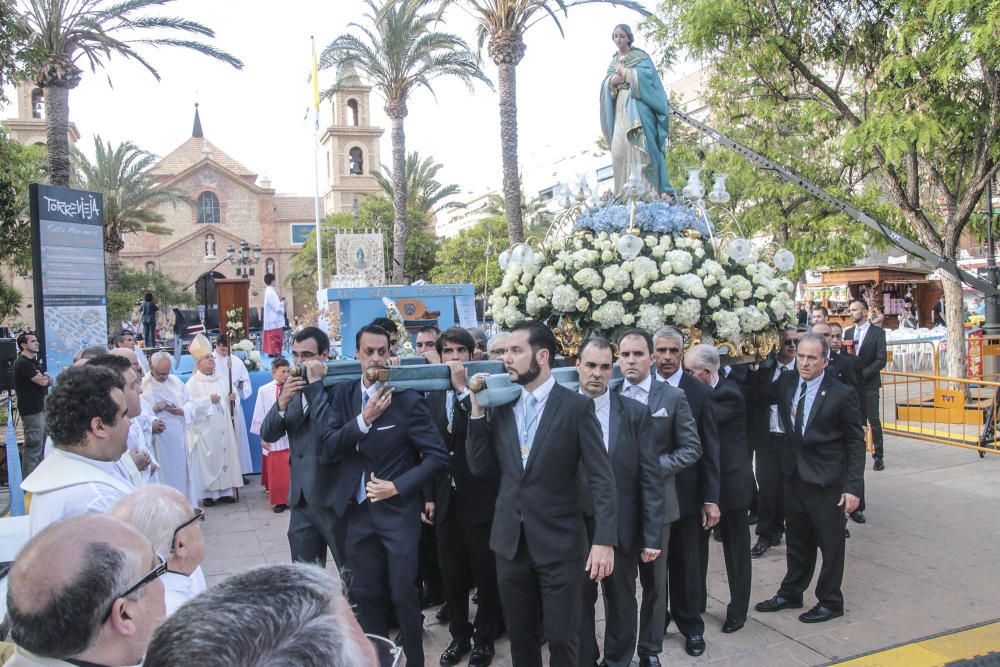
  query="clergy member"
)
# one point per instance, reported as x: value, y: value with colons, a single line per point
x: 241, y: 387
x: 211, y: 434
x: 168, y: 397
x: 274, y: 318
x: 275, y: 466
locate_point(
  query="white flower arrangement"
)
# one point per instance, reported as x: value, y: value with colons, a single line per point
x: 677, y: 280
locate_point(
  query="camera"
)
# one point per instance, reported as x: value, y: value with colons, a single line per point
x: 298, y: 371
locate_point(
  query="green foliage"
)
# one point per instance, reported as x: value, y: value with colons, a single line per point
x: 423, y: 191
x: 166, y: 291
x: 19, y: 167
x: 10, y: 300
x: 464, y: 258
x: 374, y: 213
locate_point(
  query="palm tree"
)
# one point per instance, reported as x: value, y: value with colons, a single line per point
x: 61, y: 33
x: 131, y: 197
x: 398, y: 50
x: 423, y: 191
x: 502, y: 24
x: 534, y: 211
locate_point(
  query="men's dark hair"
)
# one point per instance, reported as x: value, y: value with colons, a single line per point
x: 70, y: 618
x: 430, y: 328
x: 817, y: 338
x: 317, y: 334
x: 641, y: 333
x: 22, y: 339
x: 112, y: 361
x: 279, y: 362
x: 371, y: 329
x: 822, y: 309
x: 120, y: 336
x: 479, y: 335
x: 93, y: 351
x: 864, y: 304
x: 457, y: 336
x: 268, y: 278
x: 837, y: 324
x: 540, y: 337
x: 222, y: 339
x: 386, y: 324
x: 82, y: 393
x: 599, y: 343
x: 292, y: 620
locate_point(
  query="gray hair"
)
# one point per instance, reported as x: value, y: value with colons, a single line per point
x: 824, y: 344
x: 155, y: 511
x: 705, y: 356
x: 293, y: 618
x: 93, y: 351
x: 670, y: 333
x: 160, y: 356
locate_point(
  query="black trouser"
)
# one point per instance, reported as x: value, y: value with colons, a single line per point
x: 770, y: 480
x: 814, y: 520
x: 684, y: 579
x: 870, y: 414
x: 554, y: 590
x: 384, y: 570
x: 653, y: 613
x: 467, y: 560
x: 311, y: 530
x: 429, y: 570
x: 735, y: 531
x: 621, y: 611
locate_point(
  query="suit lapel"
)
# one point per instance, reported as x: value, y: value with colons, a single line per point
x: 824, y: 386
x: 549, y: 414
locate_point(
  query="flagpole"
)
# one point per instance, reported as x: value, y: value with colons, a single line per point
x: 319, y: 240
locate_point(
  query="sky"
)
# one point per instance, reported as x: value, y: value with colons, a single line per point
x: 258, y: 114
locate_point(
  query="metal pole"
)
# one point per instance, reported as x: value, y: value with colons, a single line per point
x: 991, y: 324
x: 319, y: 242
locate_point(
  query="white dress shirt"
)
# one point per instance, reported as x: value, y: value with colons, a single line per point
x: 639, y: 392
x: 541, y: 397
x: 675, y: 379
x: 602, y: 406
x: 859, y: 335
x: 812, y: 389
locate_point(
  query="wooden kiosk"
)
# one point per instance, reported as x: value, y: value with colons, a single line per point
x: 888, y: 284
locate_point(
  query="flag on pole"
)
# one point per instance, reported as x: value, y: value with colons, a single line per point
x: 315, y: 76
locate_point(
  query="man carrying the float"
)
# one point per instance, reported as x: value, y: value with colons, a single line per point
x: 211, y: 434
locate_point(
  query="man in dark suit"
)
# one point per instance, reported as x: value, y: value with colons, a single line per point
x: 388, y: 448
x: 824, y: 465
x: 697, y: 491
x: 627, y: 430
x: 736, y: 487
x: 301, y: 412
x: 462, y: 511
x: 677, y: 447
x: 869, y: 348
x: 539, y: 536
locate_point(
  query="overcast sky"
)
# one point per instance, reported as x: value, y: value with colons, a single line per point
x: 257, y: 115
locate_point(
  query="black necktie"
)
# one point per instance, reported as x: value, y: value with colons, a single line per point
x: 799, y: 409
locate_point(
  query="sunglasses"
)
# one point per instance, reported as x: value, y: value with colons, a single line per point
x: 790, y: 342
x: 148, y: 578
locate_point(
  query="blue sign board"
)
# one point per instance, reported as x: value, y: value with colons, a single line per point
x: 419, y: 304
x: 67, y: 246
x: 300, y: 233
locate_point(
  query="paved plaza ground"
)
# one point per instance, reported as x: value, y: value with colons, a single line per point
x: 925, y: 563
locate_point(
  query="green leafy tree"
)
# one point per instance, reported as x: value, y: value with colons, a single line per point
x: 131, y: 196
x: 399, y: 50
x: 910, y: 90
x: 168, y: 293
x: 62, y: 33
x: 472, y: 254
x: 19, y: 167
x: 501, y: 25
x: 534, y: 213
x: 10, y: 301
x: 423, y: 191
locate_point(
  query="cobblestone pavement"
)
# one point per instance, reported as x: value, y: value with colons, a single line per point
x: 923, y: 564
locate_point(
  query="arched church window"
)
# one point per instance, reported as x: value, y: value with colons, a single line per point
x: 357, y: 161
x: 37, y: 103
x: 352, y: 112
x: 208, y: 208
x: 269, y: 266
x: 209, y: 245
x: 150, y: 266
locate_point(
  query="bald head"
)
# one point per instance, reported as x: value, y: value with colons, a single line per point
x: 66, y: 579
x: 155, y: 511
x: 130, y: 355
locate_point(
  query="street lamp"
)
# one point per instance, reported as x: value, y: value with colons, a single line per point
x: 241, y: 258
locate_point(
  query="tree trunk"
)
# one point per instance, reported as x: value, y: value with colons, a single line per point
x: 954, y: 317
x: 57, y: 133
x: 507, y: 80
x: 112, y: 264
x: 399, y: 196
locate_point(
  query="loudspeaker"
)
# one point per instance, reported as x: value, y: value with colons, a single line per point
x: 8, y: 353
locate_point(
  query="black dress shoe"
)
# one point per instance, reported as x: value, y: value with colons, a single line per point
x: 442, y: 614
x: 453, y: 654
x: 777, y: 603
x: 229, y: 500
x: 208, y: 502
x: 482, y: 654
x: 245, y: 480
x: 762, y: 547
x: 857, y: 516
x: 695, y: 645
x: 278, y: 509
x: 847, y: 534
x: 732, y: 625
x: 752, y: 518
x: 819, y: 613
x: 649, y: 661
x: 879, y: 465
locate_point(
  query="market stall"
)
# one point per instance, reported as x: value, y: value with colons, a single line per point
x: 883, y: 287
